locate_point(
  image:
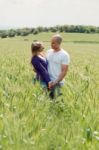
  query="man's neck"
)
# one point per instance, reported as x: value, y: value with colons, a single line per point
x: 57, y: 50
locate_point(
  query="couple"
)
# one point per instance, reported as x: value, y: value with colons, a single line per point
x: 52, y: 68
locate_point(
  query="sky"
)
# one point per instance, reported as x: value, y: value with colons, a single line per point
x: 33, y: 13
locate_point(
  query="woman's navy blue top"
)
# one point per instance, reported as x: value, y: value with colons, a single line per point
x: 41, y: 67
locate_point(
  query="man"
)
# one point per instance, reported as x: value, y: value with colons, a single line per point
x: 58, y: 62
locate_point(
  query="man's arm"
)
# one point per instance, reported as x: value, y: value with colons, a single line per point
x: 64, y: 70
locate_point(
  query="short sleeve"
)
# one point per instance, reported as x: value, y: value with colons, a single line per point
x: 66, y: 59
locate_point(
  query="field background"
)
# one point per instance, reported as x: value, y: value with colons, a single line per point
x: 28, y: 119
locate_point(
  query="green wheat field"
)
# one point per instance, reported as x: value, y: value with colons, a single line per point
x: 29, y: 120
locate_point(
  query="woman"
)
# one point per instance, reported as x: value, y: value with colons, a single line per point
x: 40, y: 65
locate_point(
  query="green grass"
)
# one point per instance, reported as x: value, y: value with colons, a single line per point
x: 28, y: 119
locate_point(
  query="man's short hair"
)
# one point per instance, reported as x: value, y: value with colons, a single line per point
x: 58, y: 37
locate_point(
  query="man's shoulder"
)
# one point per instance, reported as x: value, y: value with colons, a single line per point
x: 65, y: 57
x: 49, y: 52
x: 64, y: 52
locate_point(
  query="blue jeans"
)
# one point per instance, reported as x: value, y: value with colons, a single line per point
x: 42, y: 83
x: 54, y: 92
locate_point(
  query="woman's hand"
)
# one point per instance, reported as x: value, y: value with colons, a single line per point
x: 50, y: 85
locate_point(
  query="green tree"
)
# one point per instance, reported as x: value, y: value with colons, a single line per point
x: 35, y: 31
x: 4, y: 34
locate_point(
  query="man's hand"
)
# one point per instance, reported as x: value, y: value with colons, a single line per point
x: 61, y: 77
x: 50, y: 85
x: 54, y: 83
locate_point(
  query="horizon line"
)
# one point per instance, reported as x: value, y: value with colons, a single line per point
x: 21, y: 27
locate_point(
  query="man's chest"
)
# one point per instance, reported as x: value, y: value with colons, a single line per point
x: 54, y: 58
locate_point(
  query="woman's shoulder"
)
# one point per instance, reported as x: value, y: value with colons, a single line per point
x: 34, y: 59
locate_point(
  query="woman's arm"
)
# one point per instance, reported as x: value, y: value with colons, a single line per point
x: 42, y: 71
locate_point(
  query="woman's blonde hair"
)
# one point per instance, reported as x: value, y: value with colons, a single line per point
x: 37, y: 47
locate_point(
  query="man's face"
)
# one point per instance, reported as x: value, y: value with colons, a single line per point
x: 55, y: 44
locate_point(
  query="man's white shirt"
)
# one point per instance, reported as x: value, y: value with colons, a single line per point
x: 55, y: 61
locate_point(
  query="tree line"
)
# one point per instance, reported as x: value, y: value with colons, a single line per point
x: 64, y: 28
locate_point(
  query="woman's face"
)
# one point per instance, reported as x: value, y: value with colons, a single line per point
x: 38, y: 48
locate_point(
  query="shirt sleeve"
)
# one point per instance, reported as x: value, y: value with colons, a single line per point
x: 66, y: 59
x: 42, y: 71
